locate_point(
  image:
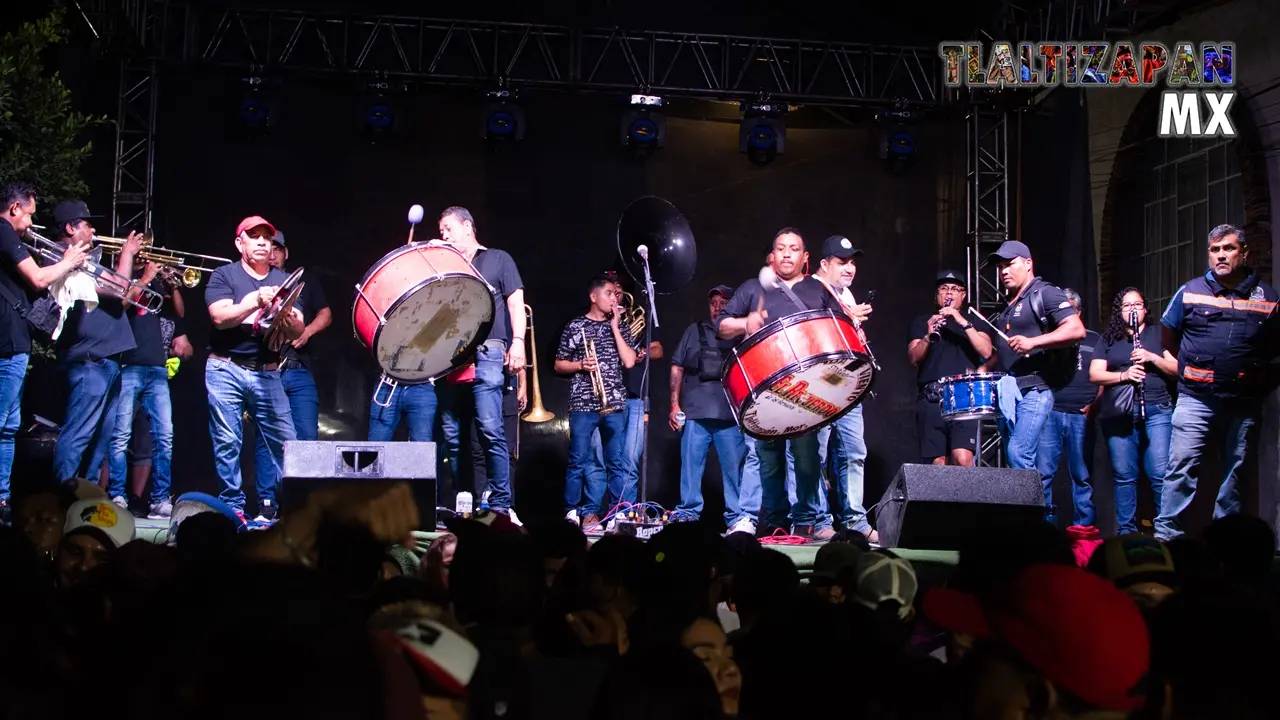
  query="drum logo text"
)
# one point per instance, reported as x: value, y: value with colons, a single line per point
x: 798, y: 392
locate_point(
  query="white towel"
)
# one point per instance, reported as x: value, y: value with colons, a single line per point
x: 74, y: 286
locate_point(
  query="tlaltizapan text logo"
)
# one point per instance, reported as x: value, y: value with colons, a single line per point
x: 1198, y: 81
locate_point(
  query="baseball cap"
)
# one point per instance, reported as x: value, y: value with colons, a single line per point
x: 101, y: 517
x: 1132, y: 559
x: 724, y: 290
x: 1076, y: 629
x: 69, y: 211
x: 441, y: 653
x: 1011, y: 249
x: 195, y: 503
x: 839, y: 246
x: 252, y: 222
x: 834, y: 558
x: 950, y: 276
x: 278, y: 239
x: 882, y: 578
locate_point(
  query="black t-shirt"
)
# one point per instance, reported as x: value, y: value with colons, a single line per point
x: 1117, y: 353
x: 810, y: 291
x: 148, y: 334
x: 232, y: 282
x: 1018, y: 319
x: 312, y: 301
x: 1079, y: 392
x: 15, y: 337
x: 497, y: 267
x: 951, y: 355
x: 702, y: 399
x: 91, y: 335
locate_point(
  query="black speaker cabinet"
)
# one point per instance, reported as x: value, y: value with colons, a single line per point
x: 937, y: 507
x: 311, y: 465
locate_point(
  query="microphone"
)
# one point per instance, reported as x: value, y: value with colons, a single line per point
x: 643, y: 252
x: 415, y: 214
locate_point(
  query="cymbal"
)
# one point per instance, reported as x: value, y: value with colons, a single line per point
x: 658, y: 225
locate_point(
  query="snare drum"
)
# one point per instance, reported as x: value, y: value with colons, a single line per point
x: 797, y: 374
x: 422, y: 309
x: 969, y: 397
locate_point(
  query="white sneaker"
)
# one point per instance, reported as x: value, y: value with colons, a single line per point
x: 515, y: 519
x: 121, y: 500
x: 572, y: 516
x: 744, y: 524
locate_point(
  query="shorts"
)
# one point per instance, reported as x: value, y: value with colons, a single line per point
x: 938, y: 437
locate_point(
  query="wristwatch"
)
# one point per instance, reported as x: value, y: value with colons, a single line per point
x: 966, y: 326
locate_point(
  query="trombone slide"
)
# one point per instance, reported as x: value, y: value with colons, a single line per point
x: 108, y: 281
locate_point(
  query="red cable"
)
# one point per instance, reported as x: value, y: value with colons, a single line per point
x: 780, y: 537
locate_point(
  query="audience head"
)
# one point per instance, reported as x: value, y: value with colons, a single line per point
x: 1139, y: 565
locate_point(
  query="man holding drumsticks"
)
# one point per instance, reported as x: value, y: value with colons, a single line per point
x: 752, y: 307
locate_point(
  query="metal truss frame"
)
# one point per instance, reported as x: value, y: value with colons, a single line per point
x: 987, y: 206
x: 466, y: 52
x: 134, y: 182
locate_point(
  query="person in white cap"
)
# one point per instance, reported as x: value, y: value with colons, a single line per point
x: 95, y: 529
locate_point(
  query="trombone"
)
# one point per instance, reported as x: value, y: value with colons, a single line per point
x: 537, y: 412
x: 108, y: 281
x: 176, y: 266
x: 632, y: 316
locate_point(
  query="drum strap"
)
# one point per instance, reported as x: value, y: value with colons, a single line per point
x: 786, y: 290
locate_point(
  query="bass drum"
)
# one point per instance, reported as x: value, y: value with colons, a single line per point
x: 797, y: 374
x: 423, y: 309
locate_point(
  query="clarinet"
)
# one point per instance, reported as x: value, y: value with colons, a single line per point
x: 1137, y: 345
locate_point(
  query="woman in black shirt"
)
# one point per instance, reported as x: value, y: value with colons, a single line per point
x: 1137, y: 431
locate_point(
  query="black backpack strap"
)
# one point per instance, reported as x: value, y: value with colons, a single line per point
x: 17, y: 305
x: 702, y: 336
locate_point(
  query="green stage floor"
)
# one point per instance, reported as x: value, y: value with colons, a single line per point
x: 801, y: 555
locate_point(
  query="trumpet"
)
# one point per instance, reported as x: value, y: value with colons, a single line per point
x: 177, y: 267
x: 632, y: 315
x: 108, y: 281
x: 597, y: 379
x: 537, y: 413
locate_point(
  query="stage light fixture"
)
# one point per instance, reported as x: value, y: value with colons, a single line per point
x: 762, y: 134
x: 258, y: 108
x: 643, y: 127
x: 897, y: 138
x: 501, y: 119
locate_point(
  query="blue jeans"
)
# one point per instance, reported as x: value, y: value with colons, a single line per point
x: 150, y: 384
x: 850, y: 468
x: 632, y: 449
x: 1194, y: 418
x: 695, y: 439
x: 92, y: 390
x: 232, y: 391
x: 583, y: 489
x: 415, y: 403
x: 13, y: 372
x: 304, y: 407
x: 807, y: 508
x: 486, y: 394
x: 1022, y: 438
x: 1136, y: 444
x: 750, y: 490
x: 1069, y: 433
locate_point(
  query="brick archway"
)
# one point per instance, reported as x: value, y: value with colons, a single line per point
x: 1120, y: 244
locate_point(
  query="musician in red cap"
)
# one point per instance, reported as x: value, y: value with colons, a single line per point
x: 241, y: 374
x: 752, y: 307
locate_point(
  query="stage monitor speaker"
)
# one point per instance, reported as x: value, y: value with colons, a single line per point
x: 938, y: 507
x: 312, y: 465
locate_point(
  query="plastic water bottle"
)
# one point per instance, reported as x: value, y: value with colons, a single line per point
x: 679, y: 421
x: 463, y: 504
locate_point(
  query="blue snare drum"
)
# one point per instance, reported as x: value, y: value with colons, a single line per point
x: 969, y: 397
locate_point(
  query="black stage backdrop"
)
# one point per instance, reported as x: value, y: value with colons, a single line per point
x: 553, y: 201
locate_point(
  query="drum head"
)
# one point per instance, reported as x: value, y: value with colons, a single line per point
x: 806, y: 397
x: 434, y: 328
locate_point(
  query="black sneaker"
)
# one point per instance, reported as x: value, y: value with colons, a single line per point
x: 267, y: 512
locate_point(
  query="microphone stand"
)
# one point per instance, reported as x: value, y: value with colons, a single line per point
x: 646, y: 388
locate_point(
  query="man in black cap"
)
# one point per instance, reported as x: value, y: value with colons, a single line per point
x: 90, y: 349
x: 19, y: 275
x: 1040, y: 355
x: 751, y: 308
x: 943, y: 344
x: 698, y: 395
x: 295, y: 372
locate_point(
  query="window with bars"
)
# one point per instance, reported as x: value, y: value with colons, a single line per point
x: 1192, y: 186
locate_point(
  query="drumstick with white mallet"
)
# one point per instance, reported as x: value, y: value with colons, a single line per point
x: 993, y: 327
x: 415, y: 217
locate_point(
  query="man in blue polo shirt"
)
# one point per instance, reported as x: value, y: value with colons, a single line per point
x: 1224, y: 329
